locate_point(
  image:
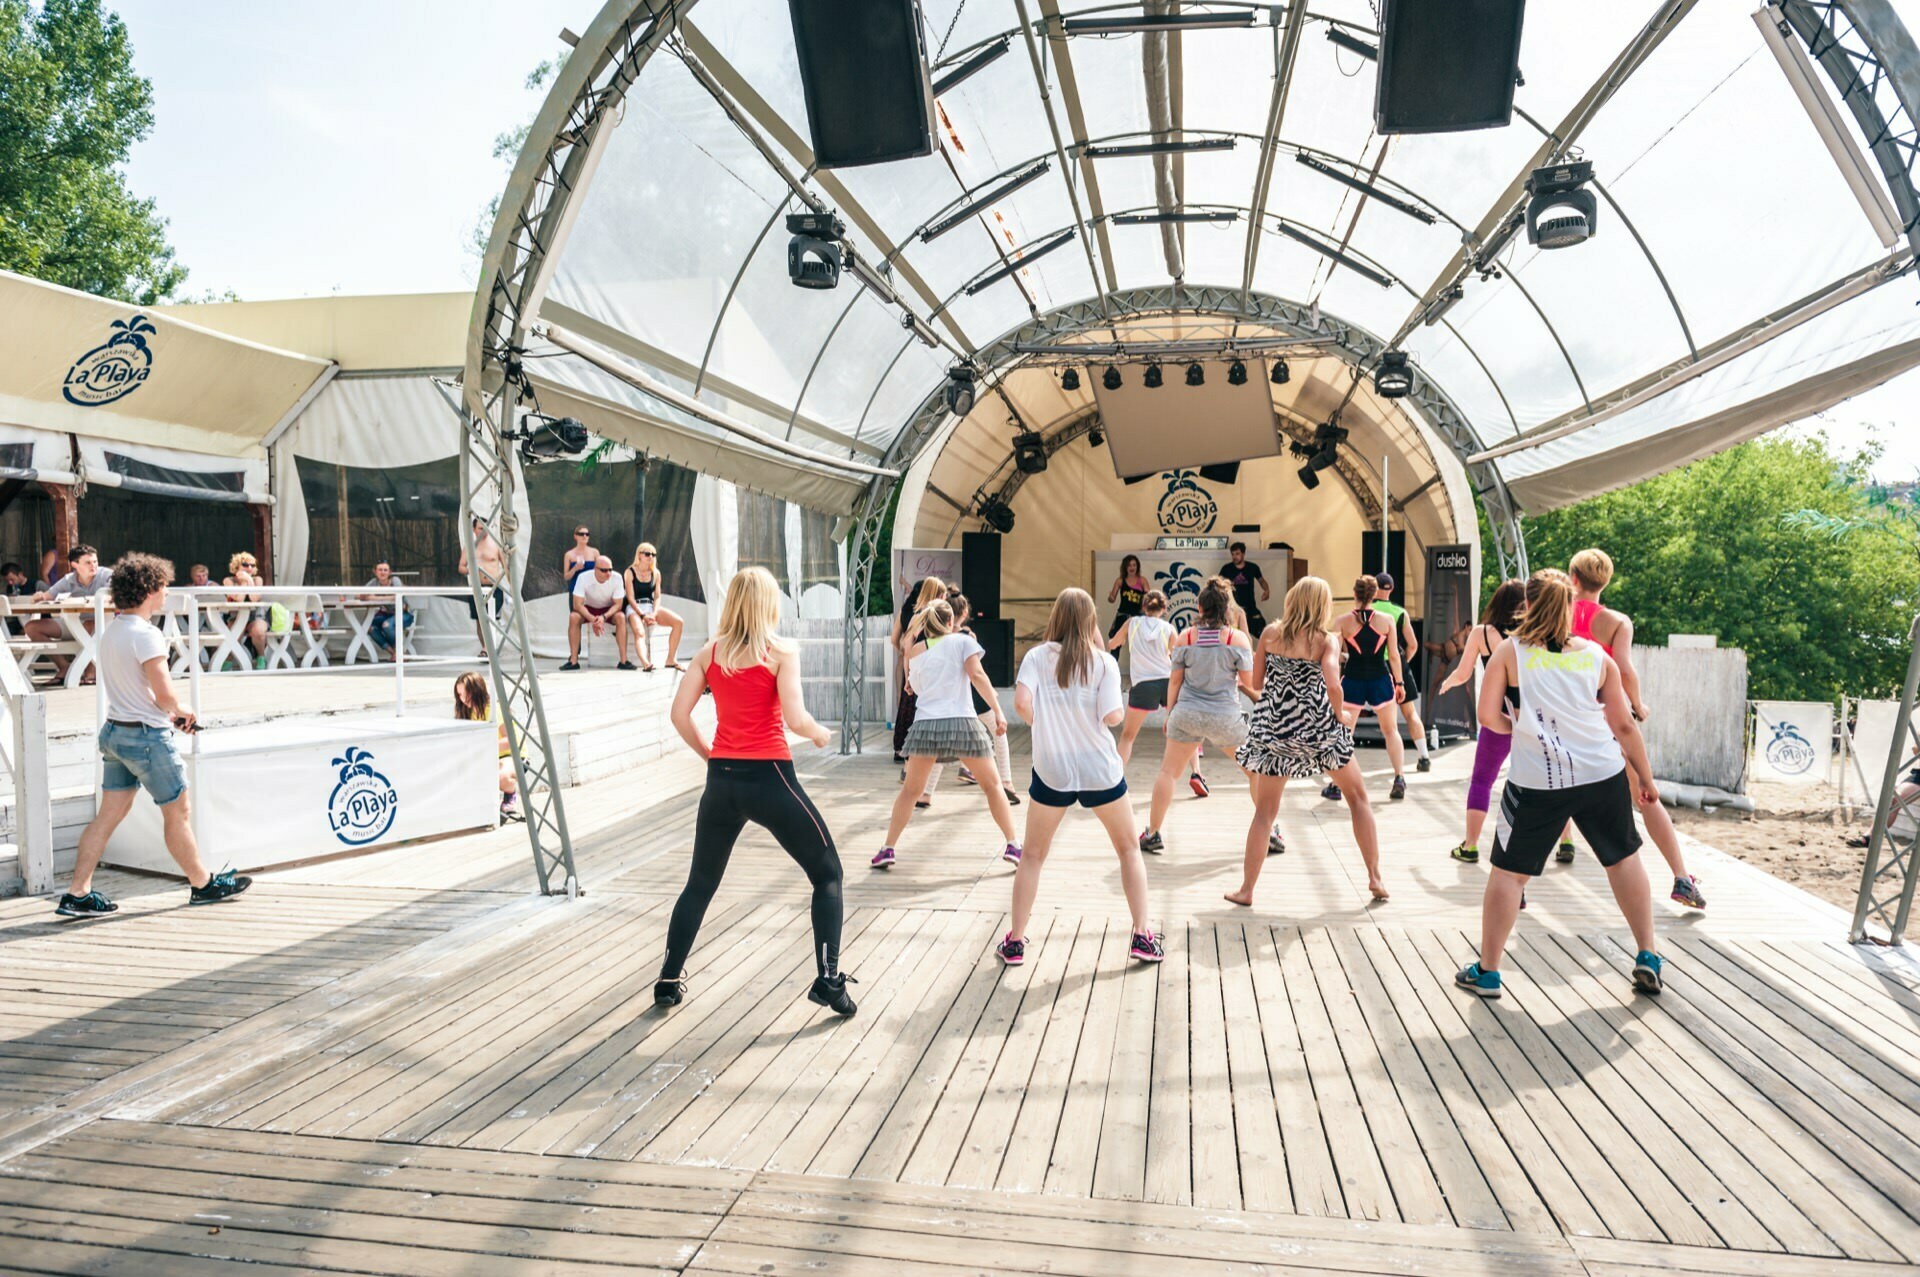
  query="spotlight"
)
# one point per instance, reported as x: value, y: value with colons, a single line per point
x: 1153, y: 377
x: 1029, y: 452
x: 551, y: 439
x: 960, y: 390
x: 1236, y: 373
x: 1096, y: 437
x: 814, y: 253
x: 1196, y: 375
x: 1308, y: 478
x: 997, y: 515
x: 1281, y: 374
x: 1393, y: 379
x: 1110, y: 378
x: 1561, y: 214
x: 1070, y: 380
x: 1309, y: 473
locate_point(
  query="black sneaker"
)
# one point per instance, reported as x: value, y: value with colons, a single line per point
x: 224, y: 885
x: 1424, y: 765
x: 1152, y: 843
x: 1563, y: 854
x: 830, y: 991
x: 1013, y: 799
x: 668, y: 993
x: 571, y: 665
x: 91, y: 905
x: 1399, y: 789
x: 1331, y: 791
x: 626, y: 665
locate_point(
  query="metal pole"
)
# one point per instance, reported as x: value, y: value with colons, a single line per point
x: 1383, y: 513
x: 1882, y: 811
x: 399, y: 654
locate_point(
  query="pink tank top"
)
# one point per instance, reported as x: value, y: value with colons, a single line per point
x: 1584, y: 610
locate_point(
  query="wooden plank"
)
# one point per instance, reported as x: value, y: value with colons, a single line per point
x: 1312, y: 1187
x: 1605, y: 1257
x: 1216, y: 1162
x: 1120, y: 1169
x: 1363, y: 1179
x: 1030, y: 1145
x: 1082, y: 1130
x: 1264, y: 1183
x: 1169, y: 1169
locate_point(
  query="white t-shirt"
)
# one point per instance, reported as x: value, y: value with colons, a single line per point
x: 126, y: 646
x: 596, y: 593
x: 1072, y: 748
x: 1560, y: 736
x: 939, y: 678
x: 1148, y: 640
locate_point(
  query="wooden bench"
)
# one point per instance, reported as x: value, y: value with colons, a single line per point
x: 26, y: 652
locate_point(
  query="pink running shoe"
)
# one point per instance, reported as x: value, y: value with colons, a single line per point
x: 1011, y: 854
x: 1147, y: 947
x: 1198, y: 784
x: 1012, y: 952
x: 883, y: 858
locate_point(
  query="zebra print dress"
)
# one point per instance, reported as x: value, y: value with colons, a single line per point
x: 1294, y: 733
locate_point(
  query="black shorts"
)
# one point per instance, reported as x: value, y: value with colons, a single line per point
x: 1531, y: 821
x: 1410, y: 668
x: 1148, y: 694
x: 1047, y: 796
x: 499, y: 601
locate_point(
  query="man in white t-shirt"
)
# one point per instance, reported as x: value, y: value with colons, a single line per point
x: 598, y: 600
x: 136, y: 745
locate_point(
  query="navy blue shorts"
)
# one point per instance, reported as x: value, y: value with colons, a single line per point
x: 1367, y: 692
x: 1047, y: 796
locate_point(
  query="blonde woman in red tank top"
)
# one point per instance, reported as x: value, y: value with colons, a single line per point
x: 1592, y: 572
x: 754, y: 675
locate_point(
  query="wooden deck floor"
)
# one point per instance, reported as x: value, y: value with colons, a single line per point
x: 343, y: 1073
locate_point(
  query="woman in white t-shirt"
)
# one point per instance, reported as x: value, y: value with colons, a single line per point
x: 942, y: 664
x: 1069, y: 690
x: 1149, y: 640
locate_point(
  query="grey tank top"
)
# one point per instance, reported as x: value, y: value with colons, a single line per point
x: 1210, y: 669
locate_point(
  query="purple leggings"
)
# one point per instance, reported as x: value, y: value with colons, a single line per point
x: 1488, y: 754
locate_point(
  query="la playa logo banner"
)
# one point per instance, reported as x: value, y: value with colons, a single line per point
x: 115, y: 368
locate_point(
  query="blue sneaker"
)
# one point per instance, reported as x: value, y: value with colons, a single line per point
x: 91, y: 905
x: 1484, y: 983
x: 1646, y: 972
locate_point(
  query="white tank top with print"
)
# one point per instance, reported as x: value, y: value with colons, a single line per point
x: 1560, y: 734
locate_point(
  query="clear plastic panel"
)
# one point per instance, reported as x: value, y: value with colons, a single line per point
x: 769, y: 335
x: 674, y: 150
x: 1226, y: 79
x: 1330, y: 104
x: 1444, y: 359
x: 901, y: 393
x: 1111, y: 79
x: 852, y: 362
x: 1508, y: 335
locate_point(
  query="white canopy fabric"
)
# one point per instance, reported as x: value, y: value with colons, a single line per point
x: 84, y: 365
x: 1721, y: 206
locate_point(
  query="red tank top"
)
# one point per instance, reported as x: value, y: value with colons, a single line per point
x: 748, y: 705
x: 1584, y: 610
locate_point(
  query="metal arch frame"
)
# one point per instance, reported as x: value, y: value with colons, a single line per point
x: 1358, y: 345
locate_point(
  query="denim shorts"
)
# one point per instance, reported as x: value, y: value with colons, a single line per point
x: 136, y: 757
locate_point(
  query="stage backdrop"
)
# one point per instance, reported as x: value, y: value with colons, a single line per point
x: 1179, y: 574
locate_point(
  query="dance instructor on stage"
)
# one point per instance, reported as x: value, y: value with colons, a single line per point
x: 755, y: 678
x: 1244, y: 577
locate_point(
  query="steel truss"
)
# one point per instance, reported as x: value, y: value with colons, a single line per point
x: 1891, y: 873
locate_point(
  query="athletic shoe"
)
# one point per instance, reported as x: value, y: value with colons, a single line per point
x: 1399, y: 789
x: 1276, y: 845
x: 883, y: 858
x: 1198, y: 784
x: 91, y: 905
x: 1523, y: 898
x: 968, y: 778
x: 224, y: 885
x: 571, y: 665
x: 1146, y: 947
x: 1563, y: 854
x: 626, y: 665
x: 1331, y: 791
x: 1013, y: 799
x: 1152, y: 843
x: 1012, y: 952
x: 1466, y: 854
x: 1484, y: 983
x: 1686, y: 891
x: 922, y: 804
x: 899, y: 759
x: 1424, y: 765
x: 830, y: 991
x: 668, y: 993
x: 1011, y: 853
x: 1646, y: 972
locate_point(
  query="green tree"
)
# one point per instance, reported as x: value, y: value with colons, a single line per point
x: 71, y: 108
x: 1722, y: 547
x: 507, y: 147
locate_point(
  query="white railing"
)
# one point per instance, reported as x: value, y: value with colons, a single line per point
x: 23, y: 748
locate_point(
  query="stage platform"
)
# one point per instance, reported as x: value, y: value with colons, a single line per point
x: 407, y: 1064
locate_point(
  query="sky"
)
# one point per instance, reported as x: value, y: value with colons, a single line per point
x: 299, y: 151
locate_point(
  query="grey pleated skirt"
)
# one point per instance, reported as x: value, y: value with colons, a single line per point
x: 948, y: 740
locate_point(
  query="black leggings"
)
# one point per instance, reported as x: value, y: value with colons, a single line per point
x: 766, y: 792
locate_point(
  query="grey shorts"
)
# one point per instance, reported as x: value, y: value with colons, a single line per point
x: 1222, y: 730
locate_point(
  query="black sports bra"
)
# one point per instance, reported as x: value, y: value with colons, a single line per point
x: 642, y: 591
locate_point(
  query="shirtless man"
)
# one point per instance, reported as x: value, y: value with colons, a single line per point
x: 493, y: 569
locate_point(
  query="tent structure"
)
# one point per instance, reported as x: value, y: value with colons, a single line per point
x: 1217, y: 181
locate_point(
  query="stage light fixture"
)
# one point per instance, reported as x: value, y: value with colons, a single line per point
x: 1308, y: 479
x: 971, y: 67
x: 1153, y: 378
x: 1561, y: 213
x: 997, y: 514
x: 1332, y: 253
x: 1181, y: 146
x: 960, y: 390
x: 979, y: 203
x: 1352, y: 43
x: 544, y: 438
x: 1110, y: 378
x: 1070, y: 380
x: 1196, y: 375
x: 1096, y: 437
x: 1441, y: 305
x: 1029, y: 452
x: 1149, y: 22
x: 1236, y: 373
x: 1485, y: 258
x: 1281, y: 374
x: 1393, y: 378
x: 814, y: 254
x: 1368, y: 188
x: 1028, y: 258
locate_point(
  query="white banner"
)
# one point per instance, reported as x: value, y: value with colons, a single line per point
x: 911, y: 566
x: 1873, y: 729
x: 1792, y: 741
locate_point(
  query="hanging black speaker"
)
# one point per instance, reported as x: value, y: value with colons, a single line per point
x: 980, y: 572
x: 863, y: 72
x: 1447, y: 66
x: 1226, y: 472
